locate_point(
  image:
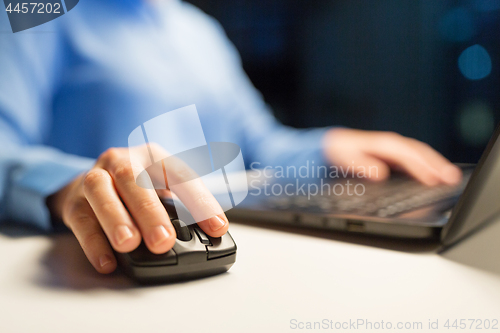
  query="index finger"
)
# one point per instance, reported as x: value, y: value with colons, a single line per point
x: 193, y: 193
x: 174, y: 174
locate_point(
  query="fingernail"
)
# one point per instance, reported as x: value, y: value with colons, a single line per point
x: 216, y: 223
x: 123, y: 233
x: 105, y: 259
x: 159, y: 234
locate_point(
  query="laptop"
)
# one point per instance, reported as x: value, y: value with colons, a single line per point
x: 399, y: 207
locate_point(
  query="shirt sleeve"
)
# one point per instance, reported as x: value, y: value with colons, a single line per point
x: 263, y: 139
x: 30, y: 64
x: 267, y: 142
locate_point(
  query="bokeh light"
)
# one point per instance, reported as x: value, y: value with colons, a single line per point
x: 476, y: 123
x: 475, y: 63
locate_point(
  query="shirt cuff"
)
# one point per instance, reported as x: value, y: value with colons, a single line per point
x: 32, y: 185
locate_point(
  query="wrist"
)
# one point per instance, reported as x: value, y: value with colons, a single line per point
x: 55, y: 202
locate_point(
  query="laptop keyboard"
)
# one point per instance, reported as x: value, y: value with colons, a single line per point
x: 393, y: 197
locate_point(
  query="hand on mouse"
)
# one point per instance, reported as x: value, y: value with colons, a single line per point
x: 105, y: 207
x: 384, y: 150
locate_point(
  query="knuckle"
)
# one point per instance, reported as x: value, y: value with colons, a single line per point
x: 416, y: 147
x: 424, y: 145
x: 123, y: 171
x: 81, y: 221
x: 111, y: 206
x: 158, y: 150
x: 111, y: 154
x: 392, y: 135
x: 390, y: 138
x: 89, y: 240
x: 182, y: 175
x: 156, y: 147
x: 148, y: 205
x: 76, y: 207
x: 203, y: 200
x: 178, y: 172
x: 93, y: 178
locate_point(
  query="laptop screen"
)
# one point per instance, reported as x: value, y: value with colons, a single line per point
x: 479, y: 204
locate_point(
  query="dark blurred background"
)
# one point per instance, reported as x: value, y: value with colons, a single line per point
x: 424, y: 68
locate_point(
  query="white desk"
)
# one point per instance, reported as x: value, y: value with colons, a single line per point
x: 46, y: 285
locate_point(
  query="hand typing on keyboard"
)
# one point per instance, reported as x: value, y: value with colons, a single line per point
x: 385, y: 150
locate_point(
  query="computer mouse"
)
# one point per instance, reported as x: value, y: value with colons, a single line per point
x: 194, y: 255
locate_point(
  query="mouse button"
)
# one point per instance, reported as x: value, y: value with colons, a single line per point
x: 221, y: 246
x: 143, y: 257
x: 192, y: 252
x: 202, y: 236
x: 182, y: 230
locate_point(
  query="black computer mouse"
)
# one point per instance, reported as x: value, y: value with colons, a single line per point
x: 194, y: 255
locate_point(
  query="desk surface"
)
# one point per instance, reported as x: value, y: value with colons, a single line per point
x: 46, y: 285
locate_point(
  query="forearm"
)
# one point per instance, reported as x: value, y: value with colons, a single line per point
x: 286, y: 146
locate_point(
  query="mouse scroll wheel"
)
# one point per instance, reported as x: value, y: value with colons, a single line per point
x: 182, y: 230
x: 202, y: 236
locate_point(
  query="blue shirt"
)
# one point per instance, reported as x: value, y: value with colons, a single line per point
x: 73, y: 87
